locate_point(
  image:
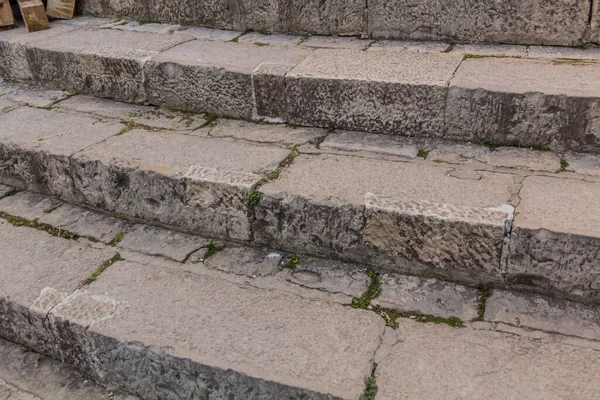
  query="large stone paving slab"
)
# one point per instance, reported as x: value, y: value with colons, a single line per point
x: 556, y: 236
x: 559, y: 22
x: 437, y: 361
x: 264, y: 341
x: 446, y: 220
x: 535, y: 103
x: 392, y: 93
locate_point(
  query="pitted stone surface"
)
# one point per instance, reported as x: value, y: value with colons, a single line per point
x: 282, y: 135
x: 143, y: 115
x: 29, y: 375
x: 559, y: 22
x: 220, y: 81
x: 29, y: 205
x: 427, y: 296
x: 161, y: 242
x: 368, y: 91
x: 555, y: 237
x: 464, y: 363
x: 544, y: 313
x: 33, y: 260
x: 319, y: 346
x: 525, y: 102
x: 86, y: 223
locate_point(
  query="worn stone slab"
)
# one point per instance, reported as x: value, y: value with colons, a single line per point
x: 512, y: 157
x: 30, y: 95
x: 544, y: 313
x: 269, y: 40
x: 137, y: 26
x: 351, y: 141
x: 450, y: 226
x: 209, y: 34
x: 33, y: 260
x: 419, y: 47
x: 252, y: 262
x: 281, y: 135
x: 450, y: 362
x: 393, y: 93
x: 557, y: 22
x: 292, y: 347
x: 29, y: 205
x: 584, y: 164
x: 4, y: 190
x: 154, y: 117
x: 491, y: 50
x: 427, y: 296
x: 555, y: 52
x: 555, y: 238
x: 336, y: 42
x: 284, y: 16
x: 221, y: 81
x: 86, y: 223
x: 33, y: 376
x: 161, y: 242
x: 525, y: 102
x: 196, y: 184
x: 99, y: 62
x: 457, y: 153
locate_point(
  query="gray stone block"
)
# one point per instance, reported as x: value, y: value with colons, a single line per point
x: 220, y: 82
x: 555, y: 239
x: 555, y: 22
x: 526, y: 102
x: 395, y: 93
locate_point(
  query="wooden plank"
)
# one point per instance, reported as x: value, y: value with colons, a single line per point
x: 34, y: 15
x: 62, y: 9
x: 7, y: 19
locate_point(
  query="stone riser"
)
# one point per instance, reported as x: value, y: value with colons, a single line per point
x: 556, y: 22
x: 537, y: 103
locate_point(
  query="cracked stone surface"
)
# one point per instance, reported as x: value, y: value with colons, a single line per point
x: 270, y: 40
x: 465, y: 363
x: 335, y: 42
x: 144, y: 115
x: 427, y: 296
x: 419, y: 47
x: 29, y: 205
x: 250, y: 262
x: 297, y: 345
x: 30, y: 95
x: 359, y: 141
x: 162, y: 242
x: 501, y: 50
x: 282, y: 135
x: 32, y: 376
x: 209, y: 34
x: 553, y: 249
x: 544, y: 313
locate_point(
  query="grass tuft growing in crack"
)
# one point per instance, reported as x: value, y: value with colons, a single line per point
x: 292, y: 263
x: 423, y: 154
x: 372, y: 292
x: 103, y: 267
x: 211, y: 250
x: 564, y: 165
x: 469, y: 56
x: 483, y: 293
x: 11, y: 192
x: 18, y: 221
x: 117, y: 239
x: 51, y: 209
x: 370, y: 388
x: 254, y: 196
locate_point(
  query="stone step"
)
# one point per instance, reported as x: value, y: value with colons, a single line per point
x: 152, y: 313
x: 568, y: 23
x: 475, y: 215
x: 537, y: 97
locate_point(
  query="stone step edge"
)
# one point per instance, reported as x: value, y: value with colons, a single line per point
x: 276, y: 92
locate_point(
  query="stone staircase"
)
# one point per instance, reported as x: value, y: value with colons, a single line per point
x: 241, y: 215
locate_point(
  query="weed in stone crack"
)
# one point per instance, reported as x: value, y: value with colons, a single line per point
x: 573, y: 61
x: 103, y: 267
x: 261, y: 44
x: 372, y: 292
x: 564, y: 164
x: 483, y: 293
x: 389, y: 315
x: 11, y: 192
x: 292, y: 263
x: 25, y: 350
x: 469, y: 56
x: 370, y: 388
x: 423, y: 154
x: 416, y: 316
x: 211, y: 250
x: 117, y: 239
x: 254, y: 197
x: 303, y: 38
x: 51, y: 209
x: 129, y: 125
x: 18, y: 221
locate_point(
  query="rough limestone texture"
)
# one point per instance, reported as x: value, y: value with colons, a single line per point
x: 544, y: 313
x: 292, y: 347
x: 595, y: 23
x: 557, y: 22
x: 30, y: 95
x: 392, y: 93
x: 281, y: 135
x: 196, y: 184
x: 448, y: 362
x: 535, y: 103
x: 35, y: 154
x: 154, y: 117
x: 33, y: 376
x: 329, y: 17
x: 220, y: 82
x: 555, y: 238
x: 427, y: 296
x: 361, y: 142
x: 452, y: 225
x: 29, y: 205
x: 99, y: 62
